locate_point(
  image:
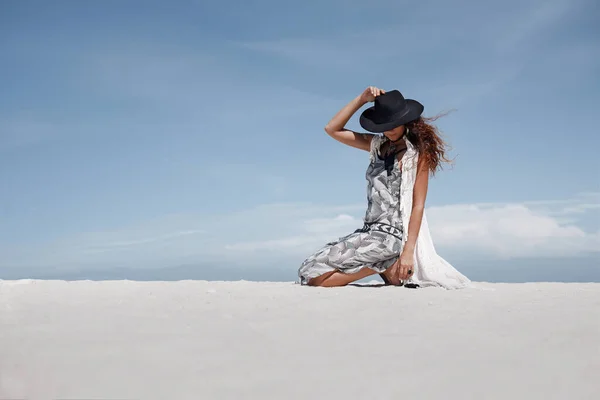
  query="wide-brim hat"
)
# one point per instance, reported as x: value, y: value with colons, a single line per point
x: 390, y: 111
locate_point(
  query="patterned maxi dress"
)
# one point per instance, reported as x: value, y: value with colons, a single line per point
x: 378, y: 244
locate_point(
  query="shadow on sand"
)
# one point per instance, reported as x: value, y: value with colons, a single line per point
x: 378, y: 285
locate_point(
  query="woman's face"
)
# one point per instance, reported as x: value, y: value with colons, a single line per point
x: 395, y: 133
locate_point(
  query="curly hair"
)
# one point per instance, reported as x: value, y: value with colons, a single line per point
x: 427, y: 139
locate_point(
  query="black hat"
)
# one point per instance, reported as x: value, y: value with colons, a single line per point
x: 391, y: 110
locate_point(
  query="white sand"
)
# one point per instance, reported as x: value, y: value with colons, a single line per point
x: 243, y: 340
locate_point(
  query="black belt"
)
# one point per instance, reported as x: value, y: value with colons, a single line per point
x: 381, y: 227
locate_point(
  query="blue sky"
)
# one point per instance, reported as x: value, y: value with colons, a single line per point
x: 148, y: 135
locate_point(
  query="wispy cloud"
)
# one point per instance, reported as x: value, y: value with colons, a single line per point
x: 315, y: 232
x: 344, y: 51
x: 104, y: 247
x: 466, y: 90
x: 286, y: 233
x: 144, y: 245
x: 533, y: 20
x: 187, y: 83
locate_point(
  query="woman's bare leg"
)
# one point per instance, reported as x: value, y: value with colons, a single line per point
x: 318, y: 281
x: 337, y: 278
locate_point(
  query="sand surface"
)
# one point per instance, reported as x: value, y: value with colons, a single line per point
x: 244, y: 340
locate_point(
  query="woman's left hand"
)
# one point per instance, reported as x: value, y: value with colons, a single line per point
x: 406, y: 267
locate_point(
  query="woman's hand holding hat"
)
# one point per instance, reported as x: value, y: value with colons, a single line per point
x: 370, y: 93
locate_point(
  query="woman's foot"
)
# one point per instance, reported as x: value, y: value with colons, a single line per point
x: 385, y: 280
x: 388, y: 279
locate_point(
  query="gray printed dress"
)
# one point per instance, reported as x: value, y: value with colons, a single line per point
x: 378, y: 243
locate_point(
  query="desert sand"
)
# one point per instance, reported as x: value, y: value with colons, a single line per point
x: 246, y: 340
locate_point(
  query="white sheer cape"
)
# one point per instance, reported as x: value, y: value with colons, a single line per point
x: 430, y: 268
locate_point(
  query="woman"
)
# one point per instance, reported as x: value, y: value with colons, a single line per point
x: 394, y: 241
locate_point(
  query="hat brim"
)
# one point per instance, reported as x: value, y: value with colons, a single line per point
x: 414, y: 109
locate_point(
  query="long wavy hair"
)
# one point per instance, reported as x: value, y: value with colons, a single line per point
x: 428, y: 141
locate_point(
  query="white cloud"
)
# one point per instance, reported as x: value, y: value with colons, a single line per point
x: 511, y: 230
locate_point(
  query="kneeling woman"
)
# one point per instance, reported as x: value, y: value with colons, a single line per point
x: 394, y: 241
